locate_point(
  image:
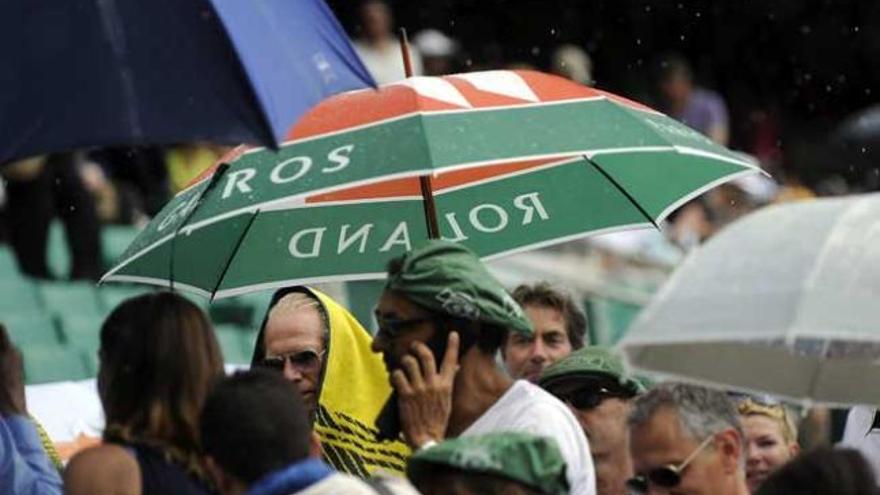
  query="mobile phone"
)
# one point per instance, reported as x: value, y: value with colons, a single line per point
x: 388, y: 422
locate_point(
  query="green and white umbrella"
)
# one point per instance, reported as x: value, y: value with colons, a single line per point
x: 517, y: 160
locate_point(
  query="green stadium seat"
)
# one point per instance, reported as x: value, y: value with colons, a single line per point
x: 92, y: 362
x: 258, y: 302
x: 232, y: 342
x: 115, y: 239
x: 8, y: 264
x: 249, y: 337
x: 19, y: 296
x: 43, y: 364
x: 79, y: 298
x: 230, y: 311
x: 58, y: 252
x: 28, y: 330
x: 81, y: 331
x: 112, y: 294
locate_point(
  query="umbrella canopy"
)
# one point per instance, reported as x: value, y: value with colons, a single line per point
x: 519, y: 159
x: 783, y: 302
x: 84, y: 73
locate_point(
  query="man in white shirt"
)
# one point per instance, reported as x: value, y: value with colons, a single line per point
x: 379, y: 49
x: 441, y: 305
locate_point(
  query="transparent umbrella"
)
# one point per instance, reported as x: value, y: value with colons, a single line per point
x: 784, y: 301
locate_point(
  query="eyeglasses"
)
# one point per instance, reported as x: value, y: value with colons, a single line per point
x: 588, y: 398
x: 391, y: 328
x: 306, y: 361
x: 668, y: 476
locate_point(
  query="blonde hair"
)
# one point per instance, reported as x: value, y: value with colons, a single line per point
x: 776, y: 412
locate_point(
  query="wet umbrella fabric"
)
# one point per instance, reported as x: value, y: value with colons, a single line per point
x: 519, y: 160
x: 86, y: 73
x: 782, y: 302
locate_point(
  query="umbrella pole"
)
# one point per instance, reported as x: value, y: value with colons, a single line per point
x: 425, y: 180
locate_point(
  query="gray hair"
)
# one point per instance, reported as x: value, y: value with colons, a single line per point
x: 295, y: 301
x: 702, y: 412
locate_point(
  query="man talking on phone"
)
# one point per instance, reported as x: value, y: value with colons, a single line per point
x: 442, y: 320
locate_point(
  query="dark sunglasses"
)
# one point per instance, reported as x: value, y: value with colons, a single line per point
x: 588, y: 398
x: 391, y: 328
x: 668, y: 476
x: 304, y: 361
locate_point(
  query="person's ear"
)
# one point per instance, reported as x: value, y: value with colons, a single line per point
x: 730, y: 449
x: 314, y: 445
x: 794, y: 449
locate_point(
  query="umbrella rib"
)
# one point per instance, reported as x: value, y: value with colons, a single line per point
x: 221, y: 169
x: 234, y: 252
x: 623, y: 191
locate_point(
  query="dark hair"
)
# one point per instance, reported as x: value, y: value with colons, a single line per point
x: 486, y: 336
x: 159, y: 357
x: 441, y: 479
x: 543, y: 294
x: 822, y: 471
x: 254, y: 423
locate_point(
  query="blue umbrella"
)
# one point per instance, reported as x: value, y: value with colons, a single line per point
x: 85, y: 73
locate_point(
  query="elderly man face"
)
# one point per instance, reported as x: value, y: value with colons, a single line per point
x: 705, y: 466
x: 294, y: 342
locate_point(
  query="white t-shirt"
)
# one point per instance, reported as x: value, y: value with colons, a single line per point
x: 530, y: 409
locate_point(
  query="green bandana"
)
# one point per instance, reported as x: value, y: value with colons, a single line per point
x: 590, y: 362
x: 448, y: 278
x: 527, y: 459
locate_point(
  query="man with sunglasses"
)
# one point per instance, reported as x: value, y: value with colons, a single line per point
x: 442, y: 320
x: 319, y: 347
x: 686, y: 440
x: 594, y: 384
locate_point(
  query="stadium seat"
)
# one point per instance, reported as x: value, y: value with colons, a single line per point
x: 8, y: 264
x: 58, y: 252
x: 19, y: 296
x: 62, y: 298
x: 232, y: 342
x: 115, y: 239
x: 81, y: 331
x: 43, y: 364
x: 26, y: 330
x: 112, y: 294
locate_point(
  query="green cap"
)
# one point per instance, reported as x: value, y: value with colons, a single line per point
x: 527, y: 459
x: 588, y: 363
x: 448, y: 278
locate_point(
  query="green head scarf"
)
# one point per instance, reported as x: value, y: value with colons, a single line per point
x: 448, y: 278
x: 527, y: 459
x: 591, y: 362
